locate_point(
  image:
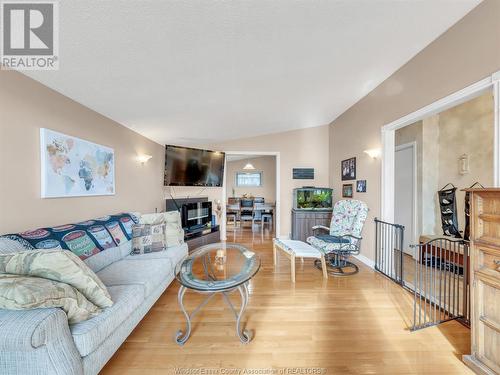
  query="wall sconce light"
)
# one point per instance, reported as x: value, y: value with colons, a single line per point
x: 463, y: 164
x: 143, y: 158
x: 373, y: 152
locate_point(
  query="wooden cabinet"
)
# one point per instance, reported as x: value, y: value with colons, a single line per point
x: 485, y: 282
x: 303, y: 221
x: 195, y: 240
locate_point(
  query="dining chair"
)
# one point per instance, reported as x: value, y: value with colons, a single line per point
x: 233, y: 212
x: 267, y: 217
x: 257, y: 212
x: 233, y: 200
x: 246, y: 213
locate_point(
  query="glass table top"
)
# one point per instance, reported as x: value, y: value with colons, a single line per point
x: 217, y: 267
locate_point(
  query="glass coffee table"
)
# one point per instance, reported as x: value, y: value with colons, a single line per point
x: 219, y: 268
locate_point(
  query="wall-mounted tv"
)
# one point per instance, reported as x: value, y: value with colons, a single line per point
x: 186, y: 166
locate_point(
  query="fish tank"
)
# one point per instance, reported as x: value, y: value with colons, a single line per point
x: 312, y: 198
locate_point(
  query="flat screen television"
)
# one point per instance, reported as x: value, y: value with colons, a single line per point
x: 186, y: 166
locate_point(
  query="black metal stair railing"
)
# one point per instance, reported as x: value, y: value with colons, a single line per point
x: 436, y: 272
x: 441, y: 284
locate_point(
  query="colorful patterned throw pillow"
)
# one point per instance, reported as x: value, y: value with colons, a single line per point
x: 148, y: 238
x: 174, y: 234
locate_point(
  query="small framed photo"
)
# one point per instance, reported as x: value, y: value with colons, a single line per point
x: 348, y: 167
x: 361, y: 186
x: 347, y: 191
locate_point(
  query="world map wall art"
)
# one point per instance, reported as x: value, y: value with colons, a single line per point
x: 73, y: 167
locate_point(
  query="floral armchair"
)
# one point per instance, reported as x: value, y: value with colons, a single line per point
x: 343, y: 238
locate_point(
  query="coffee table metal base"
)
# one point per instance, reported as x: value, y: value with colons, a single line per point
x: 245, y: 336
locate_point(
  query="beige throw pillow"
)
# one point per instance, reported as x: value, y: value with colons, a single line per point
x: 174, y: 234
x: 148, y: 238
x: 61, y: 266
x: 26, y: 292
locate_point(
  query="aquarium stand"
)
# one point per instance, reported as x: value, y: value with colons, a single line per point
x: 304, y: 220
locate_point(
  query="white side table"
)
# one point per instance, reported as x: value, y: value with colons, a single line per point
x: 293, y: 249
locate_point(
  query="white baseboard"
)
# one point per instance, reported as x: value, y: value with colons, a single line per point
x: 367, y: 261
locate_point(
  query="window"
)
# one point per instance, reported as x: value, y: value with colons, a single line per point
x: 248, y: 179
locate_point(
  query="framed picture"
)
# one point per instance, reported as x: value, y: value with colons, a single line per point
x: 348, y: 168
x: 347, y: 191
x: 361, y: 186
x: 73, y: 167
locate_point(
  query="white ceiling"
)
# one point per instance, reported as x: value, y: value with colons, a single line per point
x: 197, y: 71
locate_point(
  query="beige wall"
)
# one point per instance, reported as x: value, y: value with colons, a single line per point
x: 466, y: 53
x: 466, y: 129
x: 297, y: 148
x: 25, y: 107
x: 430, y: 172
x: 264, y: 164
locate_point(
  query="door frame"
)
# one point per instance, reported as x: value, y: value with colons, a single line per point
x: 277, y: 211
x: 413, y: 145
x: 491, y: 83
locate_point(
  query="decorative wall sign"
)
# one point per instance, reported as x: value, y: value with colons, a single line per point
x: 347, y: 191
x: 303, y: 173
x: 361, y: 186
x: 348, y: 168
x: 73, y: 167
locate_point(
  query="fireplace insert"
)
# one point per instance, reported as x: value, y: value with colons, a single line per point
x: 196, y: 215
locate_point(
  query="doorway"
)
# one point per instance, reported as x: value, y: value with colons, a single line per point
x: 405, y: 191
x: 251, y: 199
x: 487, y: 85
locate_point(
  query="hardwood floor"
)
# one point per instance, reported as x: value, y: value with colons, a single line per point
x: 354, y: 325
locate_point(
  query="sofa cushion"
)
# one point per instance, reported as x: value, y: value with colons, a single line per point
x: 12, y: 245
x: 125, y: 249
x: 104, y: 258
x: 174, y: 254
x: 177, y: 253
x: 61, y: 266
x: 90, y: 334
x: 25, y: 293
x: 148, y: 273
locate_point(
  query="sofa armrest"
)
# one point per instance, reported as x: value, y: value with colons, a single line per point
x: 37, y: 341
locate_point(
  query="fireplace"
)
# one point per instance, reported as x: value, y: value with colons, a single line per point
x: 196, y: 215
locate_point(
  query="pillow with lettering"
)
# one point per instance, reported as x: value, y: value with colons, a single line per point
x: 148, y: 238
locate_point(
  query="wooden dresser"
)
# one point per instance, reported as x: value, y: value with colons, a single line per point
x: 485, y: 281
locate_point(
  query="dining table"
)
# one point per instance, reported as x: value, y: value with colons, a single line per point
x: 263, y: 207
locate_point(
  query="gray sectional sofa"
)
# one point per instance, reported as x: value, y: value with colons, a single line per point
x: 40, y: 341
